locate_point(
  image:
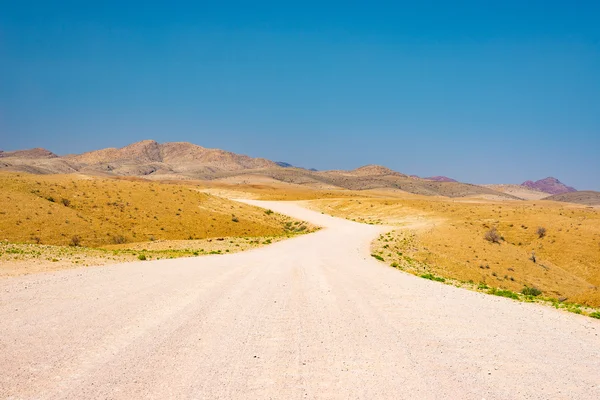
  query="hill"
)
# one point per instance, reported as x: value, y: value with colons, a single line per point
x: 36, y: 153
x: 522, y: 192
x: 54, y: 209
x: 440, y: 179
x: 589, y: 198
x: 448, y: 238
x: 549, y: 185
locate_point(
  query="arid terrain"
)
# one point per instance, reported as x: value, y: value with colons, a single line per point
x: 63, y: 221
x: 311, y: 317
x: 176, y: 271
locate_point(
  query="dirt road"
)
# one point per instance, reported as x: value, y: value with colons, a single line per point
x: 314, y: 317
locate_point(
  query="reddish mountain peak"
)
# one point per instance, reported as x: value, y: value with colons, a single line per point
x: 549, y: 185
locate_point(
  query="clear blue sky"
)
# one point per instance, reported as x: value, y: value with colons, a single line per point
x: 482, y: 91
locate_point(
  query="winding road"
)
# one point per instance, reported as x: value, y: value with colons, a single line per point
x: 313, y: 317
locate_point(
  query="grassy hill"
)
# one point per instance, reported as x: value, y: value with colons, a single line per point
x: 92, y: 212
x: 447, y: 238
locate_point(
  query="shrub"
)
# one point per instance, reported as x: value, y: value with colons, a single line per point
x: 377, y: 257
x: 492, y: 236
x: 531, y: 291
x: 504, y: 293
x: 75, y: 241
x: 65, y: 202
x: 595, y: 314
x: 432, y: 277
x: 541, y: 232
x: 268, y: 212
x: 119, y: 239
x: 235, y: 219
x: 50, y: 199
x: 142, y: 257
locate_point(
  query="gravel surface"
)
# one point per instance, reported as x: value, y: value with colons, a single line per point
x: 310, y: 317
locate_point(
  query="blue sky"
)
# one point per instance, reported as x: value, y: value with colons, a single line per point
x: 482, y: 91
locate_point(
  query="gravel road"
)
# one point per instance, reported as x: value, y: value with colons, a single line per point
x: 314, y: 317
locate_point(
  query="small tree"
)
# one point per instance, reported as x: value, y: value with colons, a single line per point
x: 541, y: 232
x: 492, y: 235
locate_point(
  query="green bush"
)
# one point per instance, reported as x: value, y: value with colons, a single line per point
x: 504, y: 293
x: 142, y: 257
x: 377, y: 256
x: 595, y: 314
x: 432, y: 277
x: 531, y: 291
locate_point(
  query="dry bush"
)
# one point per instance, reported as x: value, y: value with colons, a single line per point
x: 119, y: 239
x: 493, y: 236
x: 541, y: 232
x: 75, y: 241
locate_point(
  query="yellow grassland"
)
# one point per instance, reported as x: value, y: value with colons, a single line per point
x: 53, y: 209
x: 446, y: 237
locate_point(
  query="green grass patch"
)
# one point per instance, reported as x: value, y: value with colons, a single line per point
x: 432, y: 277
x: 504, y: 293
x: 377, y: 257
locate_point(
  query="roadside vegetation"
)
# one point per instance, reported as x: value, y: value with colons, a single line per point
x: 546, y: 246
x: 66, y: 220
x: 528, y: 294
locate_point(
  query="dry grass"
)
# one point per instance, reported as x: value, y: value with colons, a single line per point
x: 55, y: 209
x: 22, y: 259
x: 447, y: 238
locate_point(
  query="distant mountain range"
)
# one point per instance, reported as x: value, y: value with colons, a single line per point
x: 181, y: 160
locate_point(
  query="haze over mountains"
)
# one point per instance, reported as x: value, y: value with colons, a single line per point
x: 182, y: 160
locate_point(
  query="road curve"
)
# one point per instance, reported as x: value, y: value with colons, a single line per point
x: 314, y: 317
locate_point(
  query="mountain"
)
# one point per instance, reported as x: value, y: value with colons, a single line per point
x: 37, y: 153
x: 440, y: 179
x: 284, y: 164
x: 181, y: 160
x: 587, y: 197
x: 366, y: 170
x: 171, y: 154
x: 549, y: 185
